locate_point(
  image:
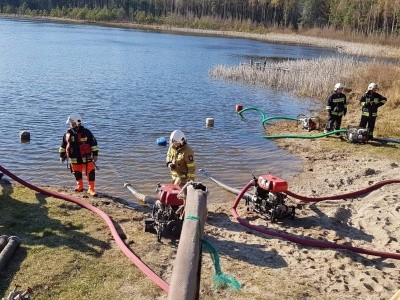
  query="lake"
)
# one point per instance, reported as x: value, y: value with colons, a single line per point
x: 132, y: 87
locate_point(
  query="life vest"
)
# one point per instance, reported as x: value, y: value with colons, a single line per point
x: 80, y: 138
x: 84, y: 148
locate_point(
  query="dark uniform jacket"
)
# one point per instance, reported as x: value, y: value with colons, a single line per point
x: 79, y: 145
x: 336, y: 104
x: 370, y: 102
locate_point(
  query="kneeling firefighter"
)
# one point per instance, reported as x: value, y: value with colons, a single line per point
x: 79, y: 146
x: 180, y: 159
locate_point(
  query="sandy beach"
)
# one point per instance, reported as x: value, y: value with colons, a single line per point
x: 292, y: 271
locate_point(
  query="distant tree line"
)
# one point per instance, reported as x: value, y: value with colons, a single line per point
x: 369, y: 17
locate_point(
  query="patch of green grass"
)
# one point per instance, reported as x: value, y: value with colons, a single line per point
x: 67, y: 252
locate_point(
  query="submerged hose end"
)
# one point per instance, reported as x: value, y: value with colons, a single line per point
x: 127, y: 184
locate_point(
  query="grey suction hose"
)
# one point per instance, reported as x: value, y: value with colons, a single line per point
x: 12, y: 245
x: 3, y: 241
x: 232, y: 190
x: 387, y: 140
x: 145, y: 198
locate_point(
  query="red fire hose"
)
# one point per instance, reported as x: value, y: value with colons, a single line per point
x: 132, y: 257
x: 305, y: 241
x: 343, y: 196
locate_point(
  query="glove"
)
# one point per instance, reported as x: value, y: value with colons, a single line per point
x: 63, y: 158
x: 94, y: 158
x: 171, y: 166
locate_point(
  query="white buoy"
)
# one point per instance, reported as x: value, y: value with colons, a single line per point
x: 24, y: 135
x: 210, y: 122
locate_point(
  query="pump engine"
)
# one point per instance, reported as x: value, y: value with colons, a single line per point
x: 357, y: 134
x: 165, y: 220
x: 269, y: 199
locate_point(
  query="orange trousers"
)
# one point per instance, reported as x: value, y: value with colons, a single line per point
x: 89, y: 170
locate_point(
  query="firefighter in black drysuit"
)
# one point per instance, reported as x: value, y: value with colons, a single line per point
x: 79, y: 146
x: 370, y: 102
x: 336, y: 107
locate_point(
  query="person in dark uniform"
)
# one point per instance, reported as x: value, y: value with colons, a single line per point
x: 336, y: 107
x: 370, y: 102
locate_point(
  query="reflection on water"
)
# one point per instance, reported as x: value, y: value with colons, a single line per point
x: 133, y: 87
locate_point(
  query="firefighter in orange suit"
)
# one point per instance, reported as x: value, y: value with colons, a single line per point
x: 180, y: 159
x: 79, y: 146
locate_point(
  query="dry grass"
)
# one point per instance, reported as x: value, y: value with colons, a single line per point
x: 351, y: 36
x: 387, y: 76
x: 310, y: 78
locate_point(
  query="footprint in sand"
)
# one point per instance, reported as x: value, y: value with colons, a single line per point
x: 371, y: 283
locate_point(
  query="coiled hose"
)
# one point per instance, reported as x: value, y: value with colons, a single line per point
x: 304, y: 241
x: 265, y: 119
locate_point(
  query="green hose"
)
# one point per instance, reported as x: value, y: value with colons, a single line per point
x: 264, y: 117
x: 220, y: 279
x: 274, y: 118
x: 262, y: 114
x: 304, y: 136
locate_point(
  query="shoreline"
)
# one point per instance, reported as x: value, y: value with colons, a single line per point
x: 352, y: 48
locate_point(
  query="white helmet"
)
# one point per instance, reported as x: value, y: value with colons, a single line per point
x: 177, y: 137
x: 372, y: 86
x: 76, y: 118
x: 338, y: 86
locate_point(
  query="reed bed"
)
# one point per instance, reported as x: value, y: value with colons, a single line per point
x: 310, y: 78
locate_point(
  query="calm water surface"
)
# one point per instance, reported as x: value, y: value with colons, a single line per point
x: 133, y: 87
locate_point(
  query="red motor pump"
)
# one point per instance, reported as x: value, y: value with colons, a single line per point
x: 309, y: 123
x: 269, y: 198
x: 165, y: 220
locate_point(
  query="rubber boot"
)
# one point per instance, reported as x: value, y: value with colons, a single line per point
x: 79, y: 185
x: 91, y: 190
